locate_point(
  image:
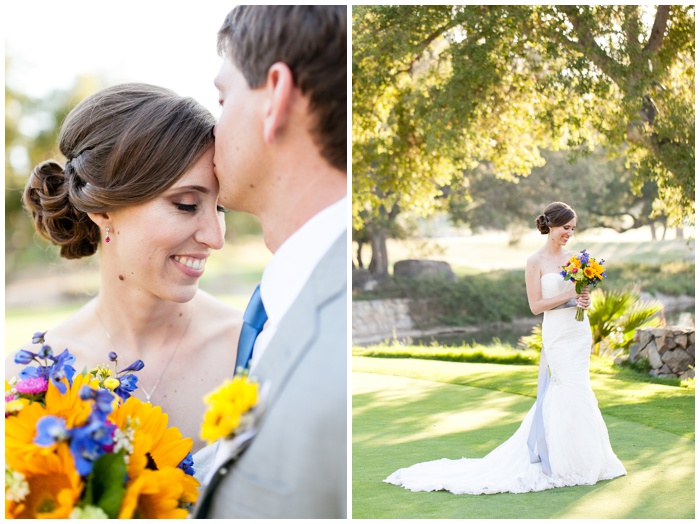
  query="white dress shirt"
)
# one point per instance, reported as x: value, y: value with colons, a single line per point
x: 292, y: 265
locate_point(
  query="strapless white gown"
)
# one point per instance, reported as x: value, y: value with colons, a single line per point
x: 568, y: 439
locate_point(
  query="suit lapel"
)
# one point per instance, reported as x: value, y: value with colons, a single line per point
x: 299, y: 326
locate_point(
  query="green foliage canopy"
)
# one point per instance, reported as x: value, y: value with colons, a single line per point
x: 438, y: 89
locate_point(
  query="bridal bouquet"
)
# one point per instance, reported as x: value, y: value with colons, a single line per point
x: 583, y: 270
x: 78, y: 445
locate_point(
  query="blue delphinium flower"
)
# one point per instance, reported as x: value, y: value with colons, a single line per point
x: 127, y: 384
x: 102, y: 397
x: 187, y: 464
x: 50, y: 430
x: 24, y: 357
x: 38, y: 337
x: 88, y: 443
x: 54, y: 368
x: 135, y: 366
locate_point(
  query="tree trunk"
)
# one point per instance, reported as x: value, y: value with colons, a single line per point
x: 652, y: 226
x: 379, y: 265
x: 360, y: 263
x: 679, y: 233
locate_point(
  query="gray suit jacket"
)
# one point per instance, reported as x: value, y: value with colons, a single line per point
x: 296, y: 466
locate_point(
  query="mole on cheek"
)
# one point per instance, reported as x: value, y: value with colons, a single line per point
x: 121, y: 277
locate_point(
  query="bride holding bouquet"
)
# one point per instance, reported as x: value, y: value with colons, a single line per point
x: 563, y: 440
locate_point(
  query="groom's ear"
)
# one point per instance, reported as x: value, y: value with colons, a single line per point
x: 279, y: 87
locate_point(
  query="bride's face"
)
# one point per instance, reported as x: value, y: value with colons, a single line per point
x: 562, y: 234
x: 161, y: 247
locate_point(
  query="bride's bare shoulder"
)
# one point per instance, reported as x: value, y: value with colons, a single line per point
x: 534, y: 262
x: 218, y: 315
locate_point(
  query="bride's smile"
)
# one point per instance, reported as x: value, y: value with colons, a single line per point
x: 161, y: 247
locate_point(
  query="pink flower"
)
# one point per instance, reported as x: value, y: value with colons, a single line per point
x: 574, y: 270
x: 32, y: 385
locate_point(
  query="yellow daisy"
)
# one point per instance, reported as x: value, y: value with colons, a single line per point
x: 54, y: 487
x: 227, y: 405
x: 162, y: 494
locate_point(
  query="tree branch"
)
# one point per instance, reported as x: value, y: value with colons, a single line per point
x: 632, y: 29
x: 425, y: 43
x: 588, y: 46
x: 658, y: 30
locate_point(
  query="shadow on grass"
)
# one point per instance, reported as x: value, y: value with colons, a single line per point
x: 399, y: 421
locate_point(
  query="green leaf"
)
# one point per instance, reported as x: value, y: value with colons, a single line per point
x: 106, y: 484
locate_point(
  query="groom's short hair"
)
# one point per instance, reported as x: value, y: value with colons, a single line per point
x: 312, y: 41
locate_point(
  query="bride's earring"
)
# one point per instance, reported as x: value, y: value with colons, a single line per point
x: 107, y: 239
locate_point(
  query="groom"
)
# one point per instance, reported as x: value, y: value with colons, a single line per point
x: 281, y: 146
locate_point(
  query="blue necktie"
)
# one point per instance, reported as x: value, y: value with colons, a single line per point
x: 254, y: 319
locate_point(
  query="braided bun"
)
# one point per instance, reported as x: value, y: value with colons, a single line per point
x: 126, y: 144
x: 46, y: 197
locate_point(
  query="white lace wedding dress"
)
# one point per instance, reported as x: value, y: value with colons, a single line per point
x: 563, y: 440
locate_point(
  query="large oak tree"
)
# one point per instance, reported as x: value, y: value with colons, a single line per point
x: 437, y: 90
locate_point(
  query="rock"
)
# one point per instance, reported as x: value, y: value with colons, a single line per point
x: 691, y: 351
x: 423, y: 269
x: 379, y: 317
x: 691, y: 338
x: 654, y: 357
x: 664, y: 343
x: 644, y: 353
x: 659, y: 332
x: 644, y: 337
x: 682, y: 340
x: 664, y: 370
x: 634, y: 352
x: 688, y: 374
x: 677, y: 360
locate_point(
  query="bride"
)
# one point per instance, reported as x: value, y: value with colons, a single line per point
x: 139, y: 187
x: 563, y: 440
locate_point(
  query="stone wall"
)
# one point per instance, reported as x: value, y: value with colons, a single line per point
x: 374, y: 319
x: 669, y: 350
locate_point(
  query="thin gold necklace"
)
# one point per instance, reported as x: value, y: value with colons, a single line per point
x: 167, y: 364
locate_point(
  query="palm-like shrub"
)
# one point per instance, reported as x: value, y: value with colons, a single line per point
x: 616, y: 315
x: 533, y: 341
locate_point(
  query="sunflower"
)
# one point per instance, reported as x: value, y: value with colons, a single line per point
x: 589, y: 272
x: 155, y: 446
x: 20, y: 429
x: 54, y: 487
x: 70, y: 406
x: 163, y: 494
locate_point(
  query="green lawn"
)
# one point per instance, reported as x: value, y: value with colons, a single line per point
x: 407, y: 411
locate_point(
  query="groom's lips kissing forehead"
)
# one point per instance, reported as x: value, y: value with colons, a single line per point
x: 191, y: 265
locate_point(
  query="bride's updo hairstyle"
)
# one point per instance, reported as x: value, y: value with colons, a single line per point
x: 123, y: 146
x: 555, y: 214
